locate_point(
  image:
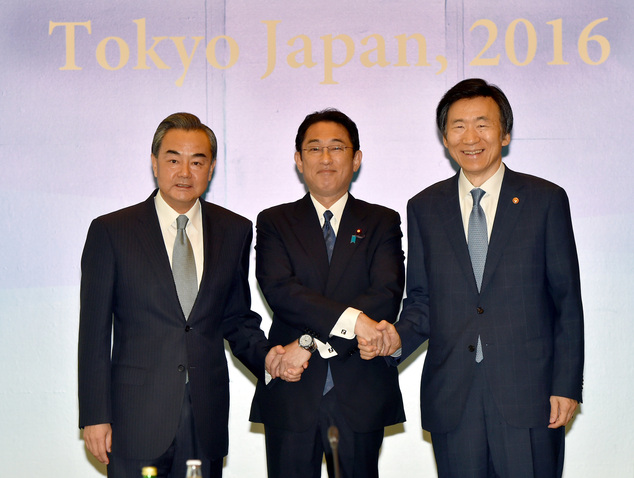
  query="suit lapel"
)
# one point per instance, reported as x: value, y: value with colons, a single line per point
x: 213, y: 240
x: 351, y: 220
x: 506, y: 217
x: 451, y: 216
x: 153, y: 245
x: 310, y: 236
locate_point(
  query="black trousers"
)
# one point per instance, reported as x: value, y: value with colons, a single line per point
x: 485, y: 446
x: 172, y: 463
x: 299, y: 454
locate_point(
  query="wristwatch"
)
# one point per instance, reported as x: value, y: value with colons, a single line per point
x: 307, y: 343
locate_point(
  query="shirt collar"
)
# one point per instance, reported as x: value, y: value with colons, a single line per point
x: 336, y: 209
x: 492, y: 186
x: 167, y: 216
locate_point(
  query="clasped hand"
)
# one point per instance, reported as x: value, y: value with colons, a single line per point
x: 288, y: 362
x: 383, y: 340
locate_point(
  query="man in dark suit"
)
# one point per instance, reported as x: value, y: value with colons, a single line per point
x: 159, y: 394
x: 503, y: 371
x: 324, y: 292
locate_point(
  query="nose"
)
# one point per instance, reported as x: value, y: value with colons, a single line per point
x: 325, y: 156
x: 470, y: 136
x: 184, y: 170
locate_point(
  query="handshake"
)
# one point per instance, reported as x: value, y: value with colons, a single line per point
x: 374, y: 339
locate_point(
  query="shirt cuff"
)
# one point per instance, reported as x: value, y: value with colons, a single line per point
x: 344, y: 327
x: 325, y: 349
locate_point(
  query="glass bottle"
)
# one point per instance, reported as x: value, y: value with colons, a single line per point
x: 193, y: 469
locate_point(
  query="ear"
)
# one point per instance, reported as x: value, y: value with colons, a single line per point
x: 299, y: 162
x: 211, y: 170
x: 506, y: 139
x: 444, y: 141
x: 356, y: 161
x: 154, y: 166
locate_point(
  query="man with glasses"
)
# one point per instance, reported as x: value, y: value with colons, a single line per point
x: 330, y: 267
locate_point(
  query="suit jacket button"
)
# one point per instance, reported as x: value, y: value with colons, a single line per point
x: 187, y: 328
x: 181, y: 368
x: 471, y: 348
x: 480, y: 310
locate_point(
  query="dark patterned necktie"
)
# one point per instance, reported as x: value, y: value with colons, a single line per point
x: 329, y: 234
x: 330, y: 238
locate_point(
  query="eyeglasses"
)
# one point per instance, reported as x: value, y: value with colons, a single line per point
x: 334, y: 150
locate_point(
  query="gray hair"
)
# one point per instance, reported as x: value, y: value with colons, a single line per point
x: 187, y: 122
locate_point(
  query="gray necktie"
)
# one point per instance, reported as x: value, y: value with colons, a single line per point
x: 478, y: 244
x: 330, y: 238
x: 184, y: 267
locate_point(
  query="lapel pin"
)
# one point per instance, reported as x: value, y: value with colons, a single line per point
x: 516, y: 200
x: 358, y: 234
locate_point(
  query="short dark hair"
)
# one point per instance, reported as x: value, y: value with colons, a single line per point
x: 330, y: 115
x: 187, y: 122
x: 473, y: 88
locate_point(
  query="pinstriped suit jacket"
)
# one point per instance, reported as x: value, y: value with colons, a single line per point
x: 127, y: 286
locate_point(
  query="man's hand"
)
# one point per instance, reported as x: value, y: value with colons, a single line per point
x: 366, y: 332
x: 391, y: 342
x: 287, y: 363
x: 273, y: 359
x: 98, y: 440
x: 561, y: 411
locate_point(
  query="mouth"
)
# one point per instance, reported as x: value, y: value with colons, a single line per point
x: 474, y: 152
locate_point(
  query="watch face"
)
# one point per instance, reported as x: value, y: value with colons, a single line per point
x: 305, y: 341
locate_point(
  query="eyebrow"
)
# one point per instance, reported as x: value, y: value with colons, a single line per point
x: 178, y: 153
x: 331, y: 141
x: 479, y: 118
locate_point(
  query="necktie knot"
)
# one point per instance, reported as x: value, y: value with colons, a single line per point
x: 328, y: 215
x: 477, y: 194
x: 181, y: 222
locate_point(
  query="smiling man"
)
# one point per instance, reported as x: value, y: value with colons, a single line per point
x: 330, y: 267
x: 163, y: 283
x: 493, y: 283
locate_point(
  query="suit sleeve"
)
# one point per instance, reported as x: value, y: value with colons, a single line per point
x: 562, y: 269
x: 240, y: 325
x: 413, y: 323
x: 95, y: 327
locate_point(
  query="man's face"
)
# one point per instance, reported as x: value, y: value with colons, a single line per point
x: 327, y: 174
x: 474, y: 137
x: 183, y: 168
